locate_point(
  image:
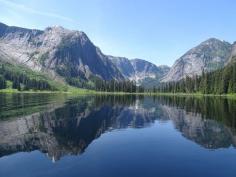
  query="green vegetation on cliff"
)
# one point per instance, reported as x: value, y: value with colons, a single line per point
x: 222, y: 81
x: 20, y: 78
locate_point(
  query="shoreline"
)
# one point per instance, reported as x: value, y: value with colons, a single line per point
x: 92, y: 92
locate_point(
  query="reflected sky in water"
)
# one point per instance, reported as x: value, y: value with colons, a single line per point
x: 59, y: 135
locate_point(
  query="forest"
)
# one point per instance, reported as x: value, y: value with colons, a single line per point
x: 22, y: 80
x: 222, y: 81
x: 117, y: 86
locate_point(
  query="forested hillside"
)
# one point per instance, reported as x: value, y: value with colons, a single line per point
x: 222, y: 81
x: 21, y: 78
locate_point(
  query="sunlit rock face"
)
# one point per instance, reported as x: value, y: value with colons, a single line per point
x: 138, y: 69
x: 208, y: 56
x: 56, y: 51
x: 232, y: 58
x: 61, y: 53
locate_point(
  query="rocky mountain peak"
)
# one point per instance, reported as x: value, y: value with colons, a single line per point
x: 210, y: 55
x: 212, y: 40
x: 141, y: 65
x: 65, y: 54
x: 139, y: 70
x: 216, y: 42
x: 57, y: 51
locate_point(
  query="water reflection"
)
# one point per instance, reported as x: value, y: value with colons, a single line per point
x: 67, y: 127
x: 210, y: 122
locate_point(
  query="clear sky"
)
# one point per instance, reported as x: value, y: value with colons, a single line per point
x: 159, y: 31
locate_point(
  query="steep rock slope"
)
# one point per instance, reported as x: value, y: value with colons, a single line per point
x: 232, y: 58
x: 139, y: 70
x: 56, y: 51
x: 144, y: 69
x: 208, y: 56
x: 124, y: 65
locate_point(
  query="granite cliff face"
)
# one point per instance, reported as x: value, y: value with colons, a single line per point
x: 56, y: 51
x: 144, y: 69
x: 138, y: 70
x: 232, y: 58
x: 61, y: 53
x: 208, y: 56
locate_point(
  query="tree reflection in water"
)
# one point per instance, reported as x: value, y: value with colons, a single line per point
x: 68, y: 126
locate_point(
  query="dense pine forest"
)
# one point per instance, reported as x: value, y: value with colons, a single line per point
x: 17, y: 78
x: 115, y: 86
x: 222, y: 81
x: 13, y: 77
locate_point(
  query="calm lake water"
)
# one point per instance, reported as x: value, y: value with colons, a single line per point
x: 50, y: 135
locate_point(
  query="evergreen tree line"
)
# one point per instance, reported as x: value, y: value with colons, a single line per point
x: 222, y: 110
x: 222, y: 81
x: 80, y: 83
x: 3, y: 83
x: 117, y: 86
x: 21, y: 81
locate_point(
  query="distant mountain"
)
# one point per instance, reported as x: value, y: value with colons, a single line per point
x: 124, y: 65
x: 59, y: 52
x: 67, y: 55
x: 139, y: 70
x: 208, y: 56
x: 70, y: 57
x: 144, y: 69
x: 232, y: 58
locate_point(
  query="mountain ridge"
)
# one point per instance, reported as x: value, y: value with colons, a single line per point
x: 208, y: 56
x: 139, y: 69
x: 53, y: 49
x: 62, y: 54
x: 69, y: 56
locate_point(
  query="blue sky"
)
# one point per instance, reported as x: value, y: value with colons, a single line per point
x: 159, y: 31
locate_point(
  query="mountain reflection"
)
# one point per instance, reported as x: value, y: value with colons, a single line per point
x: 68, y: 128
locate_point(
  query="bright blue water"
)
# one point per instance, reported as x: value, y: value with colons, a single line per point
x: 117, y: 136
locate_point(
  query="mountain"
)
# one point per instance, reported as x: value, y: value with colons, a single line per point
x: 210, y: 55
x: 69, y: 56
x: 220, y: 81
x: 144, y: 69
x: 232, y: 58
x: 60, y: 53
x: 124, y: 65
x: 138, y: 69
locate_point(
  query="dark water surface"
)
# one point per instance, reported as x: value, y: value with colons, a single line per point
x: 50, y: 135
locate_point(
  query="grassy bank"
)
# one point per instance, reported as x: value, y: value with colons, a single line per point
x: 194, y: 94
x: 29, y: 91
x: 167, y: 94
x: 78, y: 91
x: 69, y: 91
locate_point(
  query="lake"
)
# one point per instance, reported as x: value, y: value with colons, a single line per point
x: 56, y: 135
